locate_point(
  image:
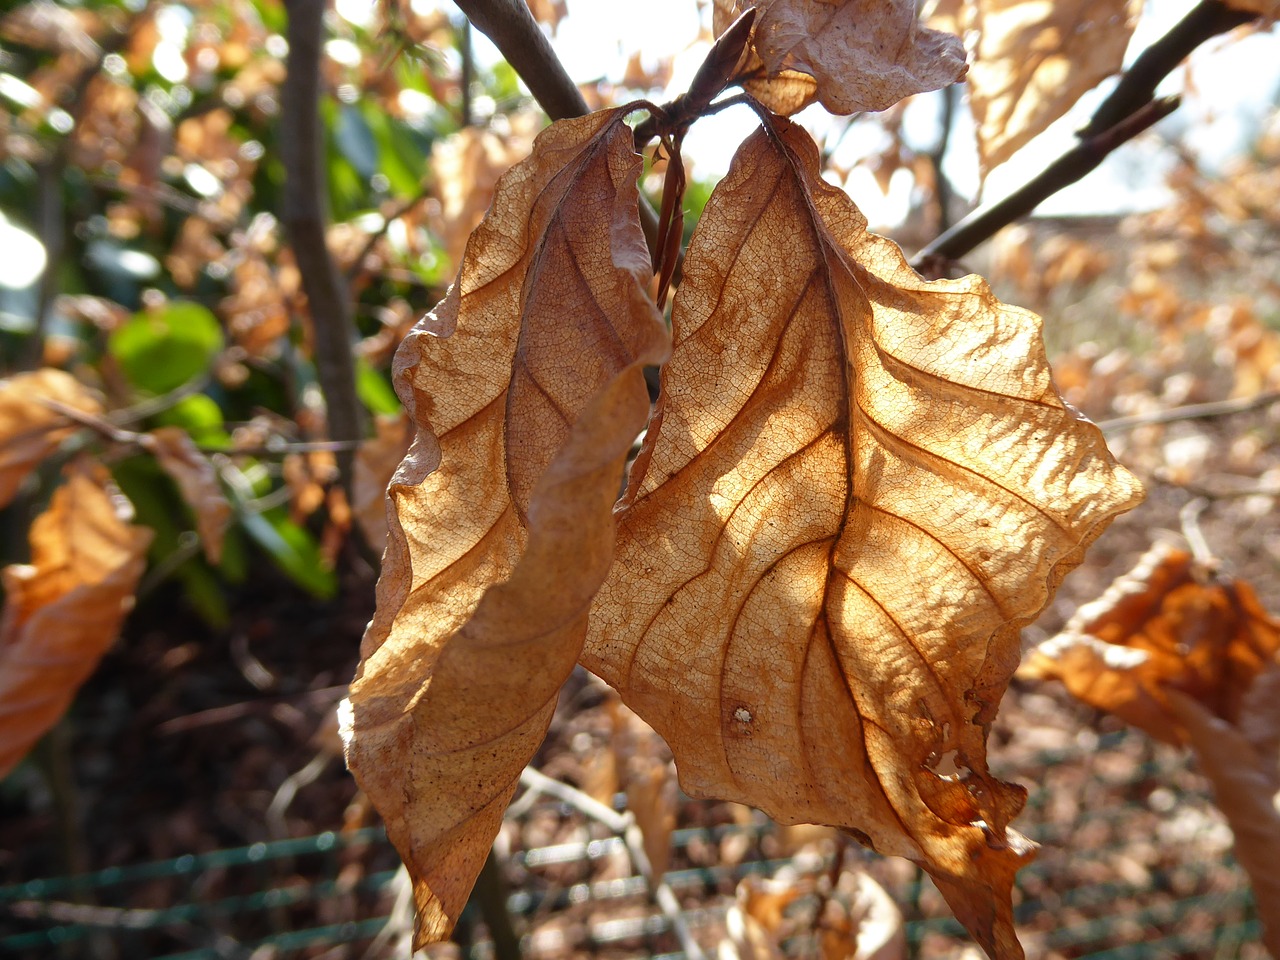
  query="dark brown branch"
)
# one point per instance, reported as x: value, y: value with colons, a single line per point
x: 511, y: 27
x: 1130, y: 103
x: 306, y: 219
x: 1067, y: 169
x: 1137, y: 86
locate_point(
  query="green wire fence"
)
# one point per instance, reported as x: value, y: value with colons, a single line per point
x: 303, y: 904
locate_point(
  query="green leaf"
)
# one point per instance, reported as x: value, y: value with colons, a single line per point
x: 374, y: 390
x: 160, y: 350
x: 200, y: 416
x: 205, y: 592
x: 295, y: 552
x: 355, y: 139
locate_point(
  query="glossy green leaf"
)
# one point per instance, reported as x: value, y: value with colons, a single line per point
x: 160, y: 350
x: 374, y: 390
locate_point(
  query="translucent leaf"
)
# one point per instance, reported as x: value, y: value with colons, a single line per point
x: 197, y: 481
x: 1168, y: 624
x: 851, y: 55
x: 30, y: 427
x: 160, y: 350
x: 857, y: 488
x: 527, y: 391
x: 63, y: 610
x: 1034, y: 60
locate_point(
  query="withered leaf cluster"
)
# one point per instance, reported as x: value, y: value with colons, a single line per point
x: 853, y: 492
x: 855, y: 487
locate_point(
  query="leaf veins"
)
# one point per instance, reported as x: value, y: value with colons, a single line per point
x: 527, y: 390
x: 857, y: 488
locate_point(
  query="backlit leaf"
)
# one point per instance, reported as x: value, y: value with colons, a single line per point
x: 30, y: 428
x: 851, y: 55
x: 1168, y: 624
x: 527, y: 391
x: 1243, y: 789
x: 858, y: 487
x: 63, y: 610
x: 1034, y: 60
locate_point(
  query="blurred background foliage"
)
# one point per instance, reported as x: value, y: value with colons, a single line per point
x: 140, y: 195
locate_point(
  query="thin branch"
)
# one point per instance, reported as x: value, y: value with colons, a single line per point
x: 623, y: 824
x: 1194, y: 411
x: 305, y: 219
x: 1132, y: 101
x: 1189, y: 520
x: 942, y: 191
x: 357, y: 265
x: 466, y: 117
x: 511, y: 27
x: 1137, y: 86
x: 1073, y: 165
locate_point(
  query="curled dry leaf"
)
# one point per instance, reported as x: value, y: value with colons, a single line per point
x: 851, y: 55
x: 857, y: 488
x: 63, y: 610
x: 1243, y: 789
x: 376, y: 461
x: 861, y: 922
x: 1033, y: 61
x: 30, y: 428
x: 1166, y: 625
x: 197, y: 481
x: 645, y: 764
x: 527, y: 390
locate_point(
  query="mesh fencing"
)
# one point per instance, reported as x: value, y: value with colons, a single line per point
x: 1111, y: 883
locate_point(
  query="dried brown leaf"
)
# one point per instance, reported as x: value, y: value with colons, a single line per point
x: 376, y: 461
x: 197, y: 481
x: 1165, y: 625
x: 527, y: 391
x: 466, y: 167
x: 851, y: 55
x: 30, y: 428
x: 858, y: 487
x: 652, y: 797
x: 1244, y: 791
x: 861, y: 922
x: 1033, y: 61
x: 63, y: 610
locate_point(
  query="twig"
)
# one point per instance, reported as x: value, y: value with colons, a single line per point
x: 511, y: 27
x: 1194, y: 411
x: 1067, y: 169
x: 1189, y: 519
x: 623, y: 824
x: 468, y: 74
x: 357, y: 265
x: 302, y: 149
x: 237, y: 711
x: 1132, y: 97
x: 490, y: 895
x: 1137, y: 86
x: 942, y: 191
